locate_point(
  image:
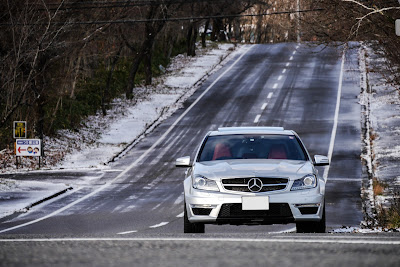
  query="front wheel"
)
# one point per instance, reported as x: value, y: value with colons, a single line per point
x: 312, y: 227
x: 189, y: 227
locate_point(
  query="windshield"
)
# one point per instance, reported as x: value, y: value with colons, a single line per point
x: 224, y: 147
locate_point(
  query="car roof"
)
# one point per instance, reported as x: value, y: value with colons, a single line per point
x: 251, y: 130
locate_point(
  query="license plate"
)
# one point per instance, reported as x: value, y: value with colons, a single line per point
x: 255, y: 203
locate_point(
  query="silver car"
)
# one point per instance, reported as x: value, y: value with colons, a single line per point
x: 253, y: 175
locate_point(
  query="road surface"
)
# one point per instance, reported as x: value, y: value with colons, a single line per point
x: 310, y: 89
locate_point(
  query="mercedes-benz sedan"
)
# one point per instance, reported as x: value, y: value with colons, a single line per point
x: 253, y: 175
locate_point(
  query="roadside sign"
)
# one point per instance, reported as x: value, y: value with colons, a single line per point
x: 19, y: 129
x: 28, y: 147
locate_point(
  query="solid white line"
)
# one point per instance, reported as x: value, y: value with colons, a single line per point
x: 284, y: 70
x: 127, y: 232
x: 280, y: 77
x: 291, y: 58
x: 346, y: 179
x: 197, y: 239
x: 335, y: 121
x: 159, y: 225
x: 264, y: 106
x: 270, y: 95
x: 257, y: 118
x: 130, y: 167
x: 180, y: 215
x: 275, y: 86
x: 287, y: 64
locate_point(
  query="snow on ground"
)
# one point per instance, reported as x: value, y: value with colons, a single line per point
x: 101, y: 138
x: 381, y: 102
x: 16, y: 196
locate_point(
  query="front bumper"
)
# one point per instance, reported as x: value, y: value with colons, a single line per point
x: 226, y: 208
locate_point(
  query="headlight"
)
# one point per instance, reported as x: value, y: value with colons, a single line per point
x: 308, y: 181
x: 203, y: 183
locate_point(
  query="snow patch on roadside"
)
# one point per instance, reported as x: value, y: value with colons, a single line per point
x: 381, y: 105
x: 345, y: 230
x: 16, y: 196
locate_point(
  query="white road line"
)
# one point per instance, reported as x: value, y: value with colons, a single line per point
x: 275, y: 86
x: 308, y: 239
x: 284, y: 70
x: 159, y: 225
x: 335, y: 121
x: 294, y: 52
x: 180, y: 215
x: 179, y: 199
x: 270, y: 95
x: 280, y: 77
x: 297, y: 47
x: 127, y: 232
x: 290, y: 230
x: 346, y: 179
x: 166, y: 133
x: 156, y: 206
x: 288, y: 64
x: 264, y: 106
x: 291, y: 58
x: 257, y: 118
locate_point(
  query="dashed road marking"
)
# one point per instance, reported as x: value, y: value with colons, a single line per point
x: 275, y: 86
x: 264, y: 106
x: 291, y: 58
x: 294, y: 52
x: 288, y: 64
x: 180, y: 215
x: 270, y: 95
x: 284, y: 70
x: 257, y: 118
x: 159, y: 225
x: 127, y: 232
x: 280, y: 77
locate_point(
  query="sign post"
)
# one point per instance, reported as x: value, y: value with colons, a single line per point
x: 397, y: 25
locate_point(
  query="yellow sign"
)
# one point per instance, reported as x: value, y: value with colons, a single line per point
x: 19, y: 129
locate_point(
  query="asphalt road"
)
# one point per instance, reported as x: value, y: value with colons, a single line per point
x: 289, y: 85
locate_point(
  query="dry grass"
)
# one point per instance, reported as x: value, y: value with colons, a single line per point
x: 378, y: 187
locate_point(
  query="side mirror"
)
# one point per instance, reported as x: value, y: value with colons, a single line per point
x: 183, y: 162
x: 321, y: 160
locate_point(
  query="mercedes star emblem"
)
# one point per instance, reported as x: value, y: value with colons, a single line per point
x: 255, y: 185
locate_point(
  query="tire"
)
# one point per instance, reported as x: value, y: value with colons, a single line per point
x: 190, y: 228
x: 312, y: 227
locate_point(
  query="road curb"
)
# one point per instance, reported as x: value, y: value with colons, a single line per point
x: 23, y: 210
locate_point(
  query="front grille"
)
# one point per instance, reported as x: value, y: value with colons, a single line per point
x: 201, y: 211
x: 241, y: 184
x: 234, y: 210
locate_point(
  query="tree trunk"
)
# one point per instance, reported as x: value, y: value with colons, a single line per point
x: 147, y: 65
x: 106, y: 93
x: 204, y: 34
x: 132, y: 75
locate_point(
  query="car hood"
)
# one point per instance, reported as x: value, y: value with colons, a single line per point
x: 243, y: 168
